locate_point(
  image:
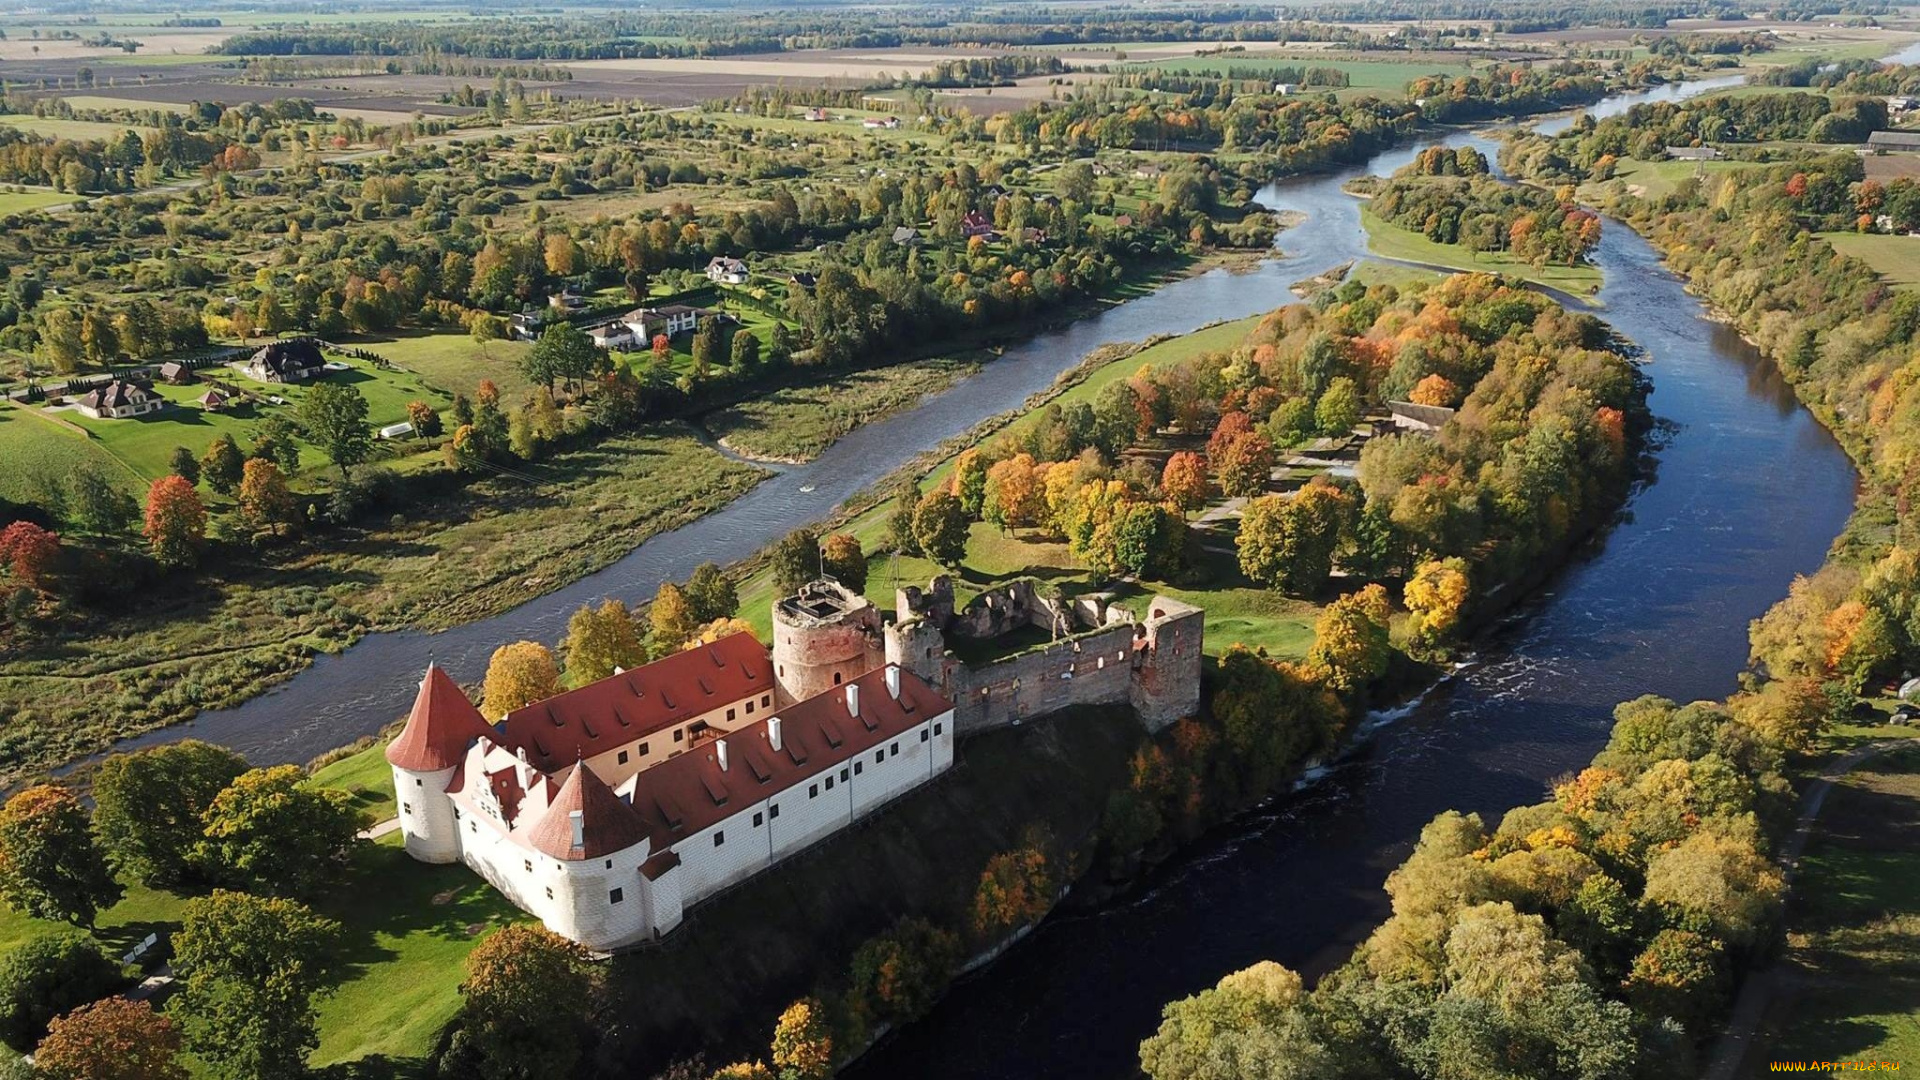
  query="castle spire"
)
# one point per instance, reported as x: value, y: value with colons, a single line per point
x: 441, y: 726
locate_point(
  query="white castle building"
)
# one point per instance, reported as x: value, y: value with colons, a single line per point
x: 609, y: 810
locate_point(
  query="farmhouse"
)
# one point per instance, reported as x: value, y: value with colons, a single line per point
x: 526, y: 325
x: 119, y: 399
x: 290, y: 361
x: 176, y: 373
x: 976, y: 224
x: 906, y: 235
x: 610, y: 810
x: 613, y: 335
x: 880, y: 123
x: 727, y: 271
x: 567, y: 301
x: 1881, y: 141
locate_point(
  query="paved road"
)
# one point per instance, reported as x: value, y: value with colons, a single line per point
x: 1732, y: 1049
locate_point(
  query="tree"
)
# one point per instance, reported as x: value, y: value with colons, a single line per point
x: 1016, y: 888
x: 518, y: 675
x: 183, y: 464
x: 1351, y: 646
x: 844, y: 561
x: 1184, y: 481
x: 708, y: 633
x: 1435, y: 389
x: 424, y: 418
x: 600, y: 640
x: 1015, y: 494
x: 706, y: 347
x: 114, y: 1039
x: 29, y: 553
x: 795, y: 560
x: 710, y: 593
x: 60, y: 347
x: 45, y: 977
x: 98, y: 343
x: 150, y: 806
x: 273, y: 833
x: 249, y: 968
x: 1338, y: 408
x: 520, y: 1016
x: 1721, y: 879
x: 672, y: 618
x: 1680, y: 974
x: 746, y: 351
x: 898, y: 974
x: 1435, y: 596
x: 563, y: 352
x: 266, y: 504
x: 1288, y: 544
x: 222, y: 465
x: 803, y: 1042
x: 176, y: 524
x: 970, y: 481
x: 1245, y: 466
x: 50, y: 866
x: 334, y: 417
x: 1149, y: 540
x: 274, y: 440
x: 1251, y: 1024
x: 1271, y: 715
x: 103, y: 509
x: 940, y: 528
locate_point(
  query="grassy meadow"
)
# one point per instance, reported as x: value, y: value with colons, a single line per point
x: 1895, y: 258
x: 1390, y: 241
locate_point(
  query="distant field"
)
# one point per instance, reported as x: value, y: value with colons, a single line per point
x: 100, y: 101
x: 1392, y: 242
x: 19, y: 202
x: 66, y: 129
x: 1379, y: 76
x: 1894, y: 258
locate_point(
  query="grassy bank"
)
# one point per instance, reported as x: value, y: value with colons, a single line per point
x: 247, y: 620
x: 1390, y: 241
x: 799, y: 423
x: 1850, y: 982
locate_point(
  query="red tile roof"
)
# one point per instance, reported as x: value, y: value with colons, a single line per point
x: 683, y: 795
x: 607, y: 824
x: 440, y: 728
x: 621, y: 709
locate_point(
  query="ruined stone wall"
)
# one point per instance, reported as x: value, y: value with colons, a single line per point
x: 1166, y: 679
x: 1095, y: 668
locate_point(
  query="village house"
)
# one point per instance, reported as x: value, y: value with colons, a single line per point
x: 1284, y: 88
x: 118, y: 400
x: 727, y: 271
x: 906, y: 236
x: 567, y: 301
x: 818, y: 115
x: 215, y: 400
x: 293, y: 360
x: 526, y: 325
x: 976, y: 224
x: 804, y: 281
x: 176, y: 373
x: 1694, y: 153
x: 880, y: 123
x: 670, y: 319
x: 617, y: 336
x: 1884, y: 141
x: 1408, y: 416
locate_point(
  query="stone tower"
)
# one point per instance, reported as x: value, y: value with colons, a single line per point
x: 425, y: 755
x: 823, y: 636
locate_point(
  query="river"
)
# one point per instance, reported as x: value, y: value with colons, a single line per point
x: 1749, y: 491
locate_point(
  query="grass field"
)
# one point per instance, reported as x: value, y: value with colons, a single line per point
x: 1895, y: 258
x: 799, y: 423
x: 34, y: 448
x: 1382, y: 78
x: 103, y: 101
x: 1393, y: 242
x: 65, y: 129
x: 1655, y: 179
x: 1852, y: 992
x: 454, y: 362
x: 19, y: 202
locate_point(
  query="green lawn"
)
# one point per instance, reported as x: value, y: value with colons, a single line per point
x: 33, y: 448
x: 1852, y: 988
x: 1657, y: 179
x: 1895, y: 258
x: 19, y: 202
x: 454, y: 362
x: 1393, y: 242
x: 65, y: 129
x: 365, y: 776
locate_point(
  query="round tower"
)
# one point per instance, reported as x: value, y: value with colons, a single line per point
x: 425, y: 756
x: 824, y: 635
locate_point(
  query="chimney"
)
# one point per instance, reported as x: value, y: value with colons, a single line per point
x: 579, y: 823
x: 853, y: 699
x: 893, y: 681
x: 525, y: 769
x: 720, y: 748
x: 618, y: 670
x: 773, y: 731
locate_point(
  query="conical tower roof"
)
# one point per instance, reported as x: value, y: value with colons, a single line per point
x: 440, y: 728
x: 607, y: 824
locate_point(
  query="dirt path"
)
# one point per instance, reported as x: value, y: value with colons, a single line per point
x: 1731, y: 1050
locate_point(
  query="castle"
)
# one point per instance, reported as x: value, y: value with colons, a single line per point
x: 609, y: 810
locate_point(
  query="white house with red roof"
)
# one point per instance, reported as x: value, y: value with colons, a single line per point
x: 609, y: 810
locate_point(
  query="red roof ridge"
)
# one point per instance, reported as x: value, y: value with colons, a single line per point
x: 441, y: 726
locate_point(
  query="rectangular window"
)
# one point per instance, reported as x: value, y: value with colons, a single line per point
x: 937, y: 728
x: 529, y: 865
x: 813, y: 791
x: 765, y: 700
x: 678, y: 735
x: 759, y: 820
x: 609, y: 864
x: 623, y: 757
x: 730, y: 713
x: 406, y: 808
x: 549, y: 892
x: 880, y: 755
x: 719, y: 838
x: 418, y: 782
x: 643, y: 749
x: 894, y: 750
x: 843, y: 776
x: 829, y: 783
x: 924, y: 736
x: 773, y: 811
x: 857, y: 766
x: 615, y: 896
x: 749, y: 708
